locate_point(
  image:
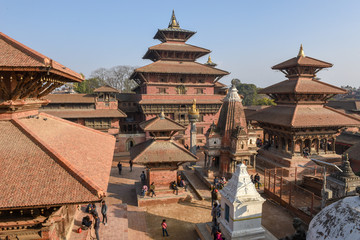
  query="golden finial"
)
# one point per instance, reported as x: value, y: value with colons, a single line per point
x: 193, y: 109
x: 301, y: 52
x: 162, y: 114
x: 209, y: 60
x: 173, y: 22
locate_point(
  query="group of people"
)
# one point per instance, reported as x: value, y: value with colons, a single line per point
x: 180, y: 182
x: 119, y: 165
x: 219, y: 183
x: 256, y: 180
x: 145, y: 189
x: 216, y: 213
x: 87, y: 222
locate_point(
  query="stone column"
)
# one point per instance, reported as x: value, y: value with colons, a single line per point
x: 193, y: 117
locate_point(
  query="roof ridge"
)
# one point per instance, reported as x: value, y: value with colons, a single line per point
x: 36, y: 55
x: 342, y: 113
x: 293, y: 116
x: 182, y: 148
x: 84, y: 180
x: 212, y: 67
x: 329, y: 85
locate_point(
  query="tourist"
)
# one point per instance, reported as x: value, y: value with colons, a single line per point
x: 214, y: 230
x: 174, y: 187
x: 183, y: 184
x: 219, y: 235
x: 214, y: 196
x: 93, y: 210
x: 164, y: 228
x: 257, y: 180
x: 131, y: 164
x: 143, y: 178
x: 252, y: 178
x: 214, y: 213
x: 306, y: 152
x: 216, y: 181
x: 104, y: 212
x: 119, y: 167
x: 179, y: 179
x: 86, y: 223
x: 152, y: 189
x: 144, y: 190
x: 97, y: 226
x: 187, y: 146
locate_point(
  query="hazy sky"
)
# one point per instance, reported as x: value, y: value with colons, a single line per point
x: 246, y: 37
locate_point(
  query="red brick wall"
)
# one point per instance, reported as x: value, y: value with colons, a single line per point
x: 102, y: 105
x: 161, y: 178
x: 122, y: 139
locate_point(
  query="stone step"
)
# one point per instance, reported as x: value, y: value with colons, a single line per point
x: 203, y: 232
x: 201, y: 190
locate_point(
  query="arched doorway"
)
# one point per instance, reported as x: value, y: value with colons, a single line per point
x: 129, y: 144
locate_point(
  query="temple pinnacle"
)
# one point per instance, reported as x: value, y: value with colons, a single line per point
x: 209, y: 60
x: 173, y: 22
x: 301, y: 52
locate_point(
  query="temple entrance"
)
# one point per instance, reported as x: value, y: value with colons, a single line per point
x: 216, y: 162
x: 129, y: 144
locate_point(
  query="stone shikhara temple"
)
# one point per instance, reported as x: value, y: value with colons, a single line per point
x: 231, y: 141
x: 47, y: 165
x: 174, y: 79
x: 300, y: 123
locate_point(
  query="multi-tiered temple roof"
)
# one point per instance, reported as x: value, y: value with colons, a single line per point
x: 300, y: 99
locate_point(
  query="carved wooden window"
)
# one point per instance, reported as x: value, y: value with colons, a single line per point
x: 98, y: 123
x: 162, y: 90
x: 200, y: 130
x: 199, y: 91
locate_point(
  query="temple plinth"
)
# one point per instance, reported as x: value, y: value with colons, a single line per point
x: 300, y: 124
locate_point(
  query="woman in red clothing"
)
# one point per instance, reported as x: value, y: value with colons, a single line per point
x: 164, y: 227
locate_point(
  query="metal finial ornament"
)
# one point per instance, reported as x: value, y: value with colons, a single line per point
x: 162, y: 115
x: 209, y: 60
x: 173, y: 22
x: 301, y: 52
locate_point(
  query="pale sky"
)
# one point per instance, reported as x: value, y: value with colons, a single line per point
x: 246, y: 37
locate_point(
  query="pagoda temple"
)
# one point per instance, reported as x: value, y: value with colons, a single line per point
x: 300, y: 124
x: 232, y: 141
x: 47, y: 165
x: 174, y: 79
x: 161, y: 155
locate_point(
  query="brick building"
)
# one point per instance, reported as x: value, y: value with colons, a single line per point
x: 48, y: 165
x: 174, y: 79
x: 98, y: 110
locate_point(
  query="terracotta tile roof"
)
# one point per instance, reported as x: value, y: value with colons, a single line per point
x: 176, y: 47
x: 106, y: 89
x: 303, y: 116
x: 179, y: 67
x: 96, y: 113
x: 160, y: 151
x: 71, y: 98
x: 158, y: 124
x: 302, y: 85
x: 14, y: 55
x: 50, y: 161
x: 302, y: 61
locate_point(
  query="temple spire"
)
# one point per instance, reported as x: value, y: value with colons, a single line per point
x: 301, y: 52
x: 210, y: 63
x: 173, y: 22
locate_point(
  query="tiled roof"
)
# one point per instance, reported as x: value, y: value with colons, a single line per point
x: 95, y: 113
x: 159, y: 124
x: 303, y: 116
x: 106, y: 89
x: 160, y: 151
x: 14, y: 55
x: 179, y: 67
x: 178, y: 47
x: 49, y: 161
x: 71, y: 98
x: 128, y: 97
x: 303, y: 85
x: 302, y: 61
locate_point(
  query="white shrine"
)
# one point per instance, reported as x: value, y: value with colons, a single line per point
x: 241, y: 208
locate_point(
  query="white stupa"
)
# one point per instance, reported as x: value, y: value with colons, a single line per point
x: 241, y: 207
x: 340, y: 220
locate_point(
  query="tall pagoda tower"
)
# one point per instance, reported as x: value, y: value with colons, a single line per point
x: 300, y: 122
x: 174, y: 79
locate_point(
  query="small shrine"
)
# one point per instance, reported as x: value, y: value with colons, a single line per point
x: 161, y: 155
x: 343, y: 184
x: 231, y: 141
x: 241, y: 207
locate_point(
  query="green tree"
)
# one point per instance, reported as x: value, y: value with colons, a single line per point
x: 87, y: 86
x: 265, y: 101
x: 249, y: 91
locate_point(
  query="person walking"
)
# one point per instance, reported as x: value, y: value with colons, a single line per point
x: 104, y: 209
x: 175, y: 188
x: 257, y: 180
x: 143, y: 178
x: 119, y: 167
x: 152, y: 189
x: 97, y: 226
x: 131, y: 164
x: 164, y: 228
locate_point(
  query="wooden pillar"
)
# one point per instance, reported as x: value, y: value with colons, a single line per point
x: 292, y: 147
x: 301, y: 146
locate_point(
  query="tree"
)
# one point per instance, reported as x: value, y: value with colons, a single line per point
x: 117, y: 77
x: 87, y: 86
x: 265, y: 101
x: 249, y: 91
